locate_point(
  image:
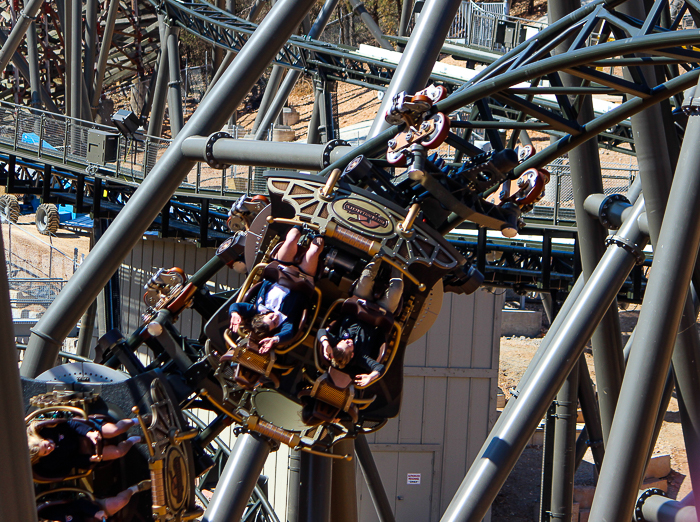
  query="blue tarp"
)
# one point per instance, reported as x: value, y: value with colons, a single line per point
x: 33, y: 139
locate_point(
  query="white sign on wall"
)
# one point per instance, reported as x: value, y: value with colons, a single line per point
x: 413, y: 478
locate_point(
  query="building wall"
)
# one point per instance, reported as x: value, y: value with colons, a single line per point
x: 449, y: 400
x: 449, y: 406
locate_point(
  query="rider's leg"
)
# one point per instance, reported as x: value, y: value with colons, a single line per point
x: 309, y: 264
x: 288, y: 250
x: 390, y: 300
x: 365, y: 284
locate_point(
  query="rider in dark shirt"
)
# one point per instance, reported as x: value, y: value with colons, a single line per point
x: 61, y: 446
x: 355, y: 348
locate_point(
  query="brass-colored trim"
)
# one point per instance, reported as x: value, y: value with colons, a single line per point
x: 207, y: 395
x: 72, y: 409
x: 285, y: 221
x: 65, y: 490
x: 187, y: 435
x: 249, y: 281
x: 359, y: 241
x: 407, y: 224
x: 62, y: 479
x: 327, y: 191
x: 405, y: 272
x: 144, y: 429
x: 329, y: 455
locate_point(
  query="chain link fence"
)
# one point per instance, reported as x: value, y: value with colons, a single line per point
x: 36, y: 272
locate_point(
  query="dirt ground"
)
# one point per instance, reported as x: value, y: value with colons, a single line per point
x: 518, y: 499
x: 49, y: 256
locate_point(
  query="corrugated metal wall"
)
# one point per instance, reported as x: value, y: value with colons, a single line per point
x: 449, y: 401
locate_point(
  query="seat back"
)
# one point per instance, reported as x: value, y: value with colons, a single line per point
x: 217, y: 325
x: 289, y: 276
x: 368, y: 312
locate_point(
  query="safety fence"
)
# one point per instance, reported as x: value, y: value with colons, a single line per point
x: 36, y: 272
x: 487, y: 25
x: 64, y: 139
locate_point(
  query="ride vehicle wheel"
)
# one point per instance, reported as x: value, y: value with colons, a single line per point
x: 438, y: 136
x: 47, y: 220
x: 9, y: 208
x: 397, y: 159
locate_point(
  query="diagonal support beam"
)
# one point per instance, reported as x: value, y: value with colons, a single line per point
x: 143, y: 207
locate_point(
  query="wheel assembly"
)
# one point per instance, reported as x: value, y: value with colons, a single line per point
x: 9, y: 208
x: 47, y: 219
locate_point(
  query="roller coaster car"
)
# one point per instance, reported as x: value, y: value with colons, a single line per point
x: 358, y: 226
x: 166, y: 455
x: 362, y: 225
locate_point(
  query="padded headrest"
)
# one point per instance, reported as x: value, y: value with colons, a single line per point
x: 289, y: 277
x: 368, y: 312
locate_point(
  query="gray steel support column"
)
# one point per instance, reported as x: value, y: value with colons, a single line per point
x: 33, y: 60
x: 104, y: 53
x: 26, y: 16
x: 66, y: 25
x: 589, y: 408
x: 87, y: 327
x: 174, y: 86
x: 656, y: 161
x: 586, y: 179
x: 76, y: 58
x: 273, y: 84
x: 293, y: 485
x: 237, y: 482
x: 155, y: 121
x: 662, y: 509
x: 166, y: 176
x: 520, y: 418
x: 326, y: 128
x: 373, y: 480
x: 369, y: 22
x: 17, y: 492
x: 564, y: 450
x: 283, y: 155
x: 406, y: 11
x: 344, y: 491
x: 255, y: 10
x: 230, y: 55
x: 564, y: 463
x: 315, y: 488
x: 416, y: 64
x: 293, y: 74
x: 90, y: 44
x: 650, y: 357
x: 552, y: 332
x: 547, y: 458
x: 313, y: 135
x: 85, y: 109
x: 87, y: 321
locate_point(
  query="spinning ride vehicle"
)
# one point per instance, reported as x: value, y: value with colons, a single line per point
x: 283, y: 382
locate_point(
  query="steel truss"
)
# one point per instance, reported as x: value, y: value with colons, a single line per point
x: 627, y: 41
